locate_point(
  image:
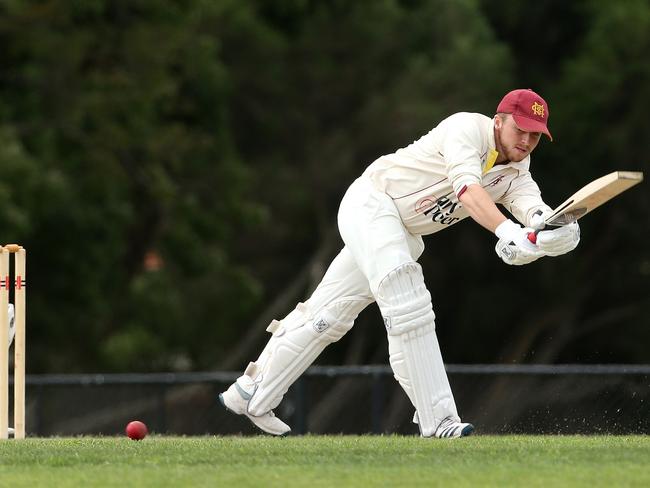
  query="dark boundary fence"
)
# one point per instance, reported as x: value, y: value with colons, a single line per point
x: 50, y: 393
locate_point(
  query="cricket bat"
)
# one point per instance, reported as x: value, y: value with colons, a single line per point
x: 591, y: 196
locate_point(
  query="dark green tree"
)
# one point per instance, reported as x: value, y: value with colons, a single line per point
x: 117, y: 113
x: 174, y: 169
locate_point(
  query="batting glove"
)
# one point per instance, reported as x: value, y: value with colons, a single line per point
x: 559, y: 241
x: 514, y: 247
x: 537, y: 221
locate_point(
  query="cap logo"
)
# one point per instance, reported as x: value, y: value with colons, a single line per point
x: 538, y: 109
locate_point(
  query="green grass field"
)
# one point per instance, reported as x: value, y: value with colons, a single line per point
x: 320, y: 461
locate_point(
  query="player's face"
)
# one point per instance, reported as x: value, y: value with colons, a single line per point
x: 513, y: 143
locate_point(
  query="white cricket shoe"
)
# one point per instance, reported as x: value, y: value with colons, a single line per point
x: 236, y: 398
x: 449, y: 428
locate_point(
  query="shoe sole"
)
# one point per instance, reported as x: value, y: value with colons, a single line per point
x: 223, y: 403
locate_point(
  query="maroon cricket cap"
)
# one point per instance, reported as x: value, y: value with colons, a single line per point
x: 529, y: 110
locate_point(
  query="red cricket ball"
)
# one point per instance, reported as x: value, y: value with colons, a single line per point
x: 136, y: 430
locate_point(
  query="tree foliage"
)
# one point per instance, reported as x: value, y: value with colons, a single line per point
x: 172, y: 166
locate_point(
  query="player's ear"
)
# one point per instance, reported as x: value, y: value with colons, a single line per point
x: 498, y: 122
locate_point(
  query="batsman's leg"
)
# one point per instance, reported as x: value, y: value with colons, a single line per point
x: 415, y: 354
x: 385, y: 251
x: 297, y: 341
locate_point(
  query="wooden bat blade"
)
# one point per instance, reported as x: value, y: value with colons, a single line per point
x: 593, y: 195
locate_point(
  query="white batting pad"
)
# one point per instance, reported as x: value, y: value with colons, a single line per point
x: 297, y: 341
x: 302, y: 335
x: 415, y: 355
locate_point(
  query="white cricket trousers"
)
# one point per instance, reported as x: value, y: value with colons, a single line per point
x: 374, y: 234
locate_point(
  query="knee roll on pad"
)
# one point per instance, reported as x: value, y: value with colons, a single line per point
x: 404, y: 300
x: 297, y: 341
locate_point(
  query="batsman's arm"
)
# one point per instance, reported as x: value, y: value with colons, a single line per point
x: 483, y: 210
x: 480, y: 207
x: 524, y: 201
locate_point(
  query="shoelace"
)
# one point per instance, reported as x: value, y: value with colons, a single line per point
x: 447, y: 428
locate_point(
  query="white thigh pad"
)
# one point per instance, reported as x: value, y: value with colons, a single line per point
x: 415, y: 355
x: 297, y: 341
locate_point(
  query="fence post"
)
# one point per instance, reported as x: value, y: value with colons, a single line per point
x: 161, y: 421
x: 377, y: 407
x: 300, y: 389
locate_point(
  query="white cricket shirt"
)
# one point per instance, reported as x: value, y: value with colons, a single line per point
x: 424, y: 178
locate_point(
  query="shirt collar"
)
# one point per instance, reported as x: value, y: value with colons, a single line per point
x: 524, y: 164
x: 492, y: 144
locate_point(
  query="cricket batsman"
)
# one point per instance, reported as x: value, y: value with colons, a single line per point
x: 462, y: 168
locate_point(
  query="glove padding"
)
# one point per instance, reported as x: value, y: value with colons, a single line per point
x: 559, y: 241
x: 538, y: 219
x: 513, y: 246
x: 556, y: 240
x: 513, y: 254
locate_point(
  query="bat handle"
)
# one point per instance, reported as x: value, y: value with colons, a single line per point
x: 532, y: 237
